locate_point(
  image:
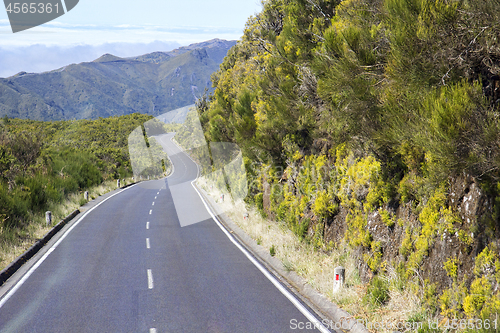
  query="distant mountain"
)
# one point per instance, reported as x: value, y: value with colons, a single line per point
x: 153, y: 83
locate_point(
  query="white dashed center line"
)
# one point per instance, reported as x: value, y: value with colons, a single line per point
x: 150, y: 211
x: 150, y: 279
x: 156, y: 197
x: 148, y: 246
x: 147, y: 225
x: 152, y: 330
x: 153, y: 203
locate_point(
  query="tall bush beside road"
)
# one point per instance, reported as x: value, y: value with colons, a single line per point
x: 374, y: 123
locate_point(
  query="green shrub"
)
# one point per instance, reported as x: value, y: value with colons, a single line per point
x: 480, y: 292
x: 465, y: 238
x: 430, y: 216
x: 486, y: 261
x: 323, y: 205
x: 272, y: 251
x: 407, y: 244
x: 259, y: 201
x: 386, y: 218
x: 378, y: 292
x: 451, y: 268
x: 357, y: 232
x: 82, y: 201
x: 302, y: 228
x: 406, y: 188
x: 374, y: 258
x: 430, y: 296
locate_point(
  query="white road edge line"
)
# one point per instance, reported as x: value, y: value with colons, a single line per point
x: 148, y: 246
x: 56, y: 244
x: 264, y: 271
x: 318, y: 324
x: 150, y: 279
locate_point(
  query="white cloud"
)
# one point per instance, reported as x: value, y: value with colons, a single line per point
x: 40, y: 58
x: 64, y: 34
x: 57, y: 44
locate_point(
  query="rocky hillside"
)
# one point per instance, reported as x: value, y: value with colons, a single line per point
x: 153, y: 84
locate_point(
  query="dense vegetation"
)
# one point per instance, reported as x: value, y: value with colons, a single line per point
x: 42, y: 162
x: 360, y: 114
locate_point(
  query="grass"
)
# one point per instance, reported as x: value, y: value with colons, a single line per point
x: 316, y: 266
x: 14, y: 242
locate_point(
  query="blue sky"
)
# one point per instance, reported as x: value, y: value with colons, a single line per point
x: 121, y: 27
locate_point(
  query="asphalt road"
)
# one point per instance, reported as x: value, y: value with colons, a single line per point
x: 148, y: 259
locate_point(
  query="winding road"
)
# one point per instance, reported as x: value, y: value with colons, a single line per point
x: 147, y: 258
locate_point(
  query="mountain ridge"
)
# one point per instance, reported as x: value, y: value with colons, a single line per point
x: 153, y: 83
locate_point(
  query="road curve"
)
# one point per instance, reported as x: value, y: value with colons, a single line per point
x: 149, y: 259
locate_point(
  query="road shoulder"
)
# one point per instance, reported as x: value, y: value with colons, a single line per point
x: 323, y: 308
x: 21, y: 265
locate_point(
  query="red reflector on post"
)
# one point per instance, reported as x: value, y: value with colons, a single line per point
x: 336, y: 277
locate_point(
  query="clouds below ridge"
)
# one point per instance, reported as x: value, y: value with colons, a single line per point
x: 40, y: 58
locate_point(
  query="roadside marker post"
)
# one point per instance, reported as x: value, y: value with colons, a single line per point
x: 339, y: 276
x: 48, y: 217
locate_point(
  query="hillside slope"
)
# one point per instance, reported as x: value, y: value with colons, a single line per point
x: 152, y: 84
x: 373, y: 126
